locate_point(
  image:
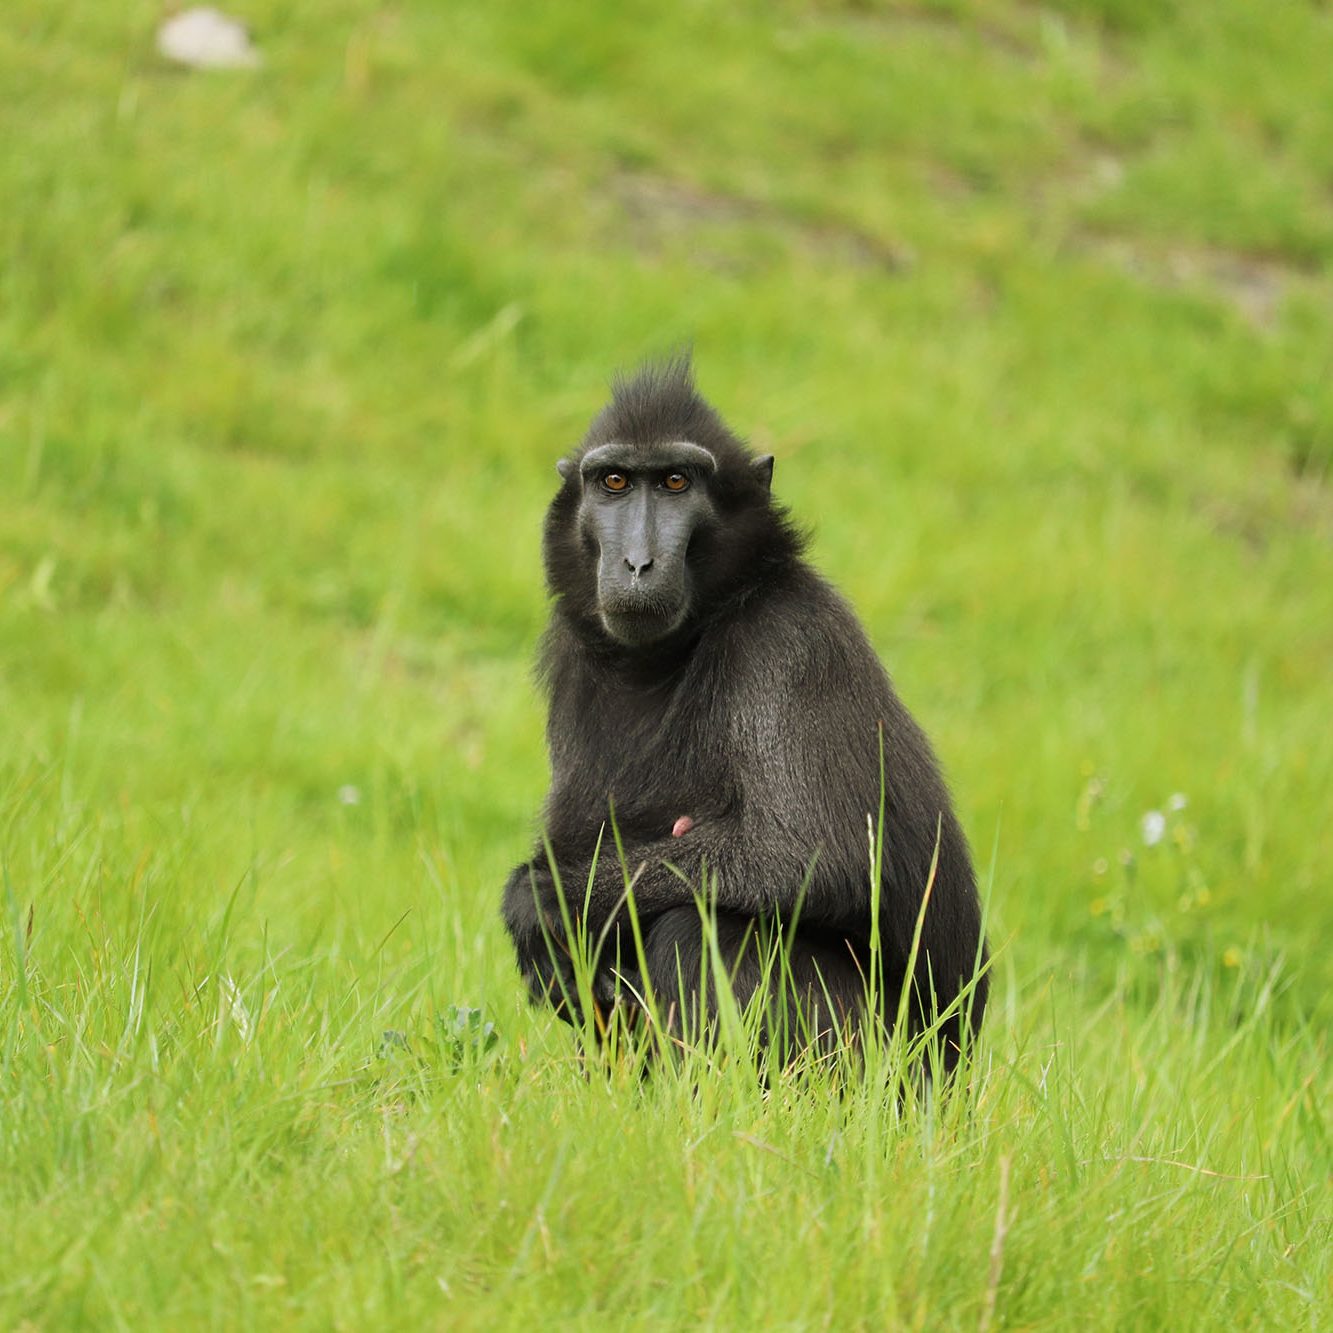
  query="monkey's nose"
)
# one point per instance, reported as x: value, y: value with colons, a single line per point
x: 638, y: 567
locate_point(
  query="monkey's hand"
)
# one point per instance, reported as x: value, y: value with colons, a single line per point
x: 531, y: 912
x: 537, y: 902
x: 546, y: 956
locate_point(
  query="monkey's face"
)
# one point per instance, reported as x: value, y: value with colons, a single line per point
x: 641, y: 508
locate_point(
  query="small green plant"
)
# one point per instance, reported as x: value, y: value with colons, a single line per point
x: 464, y: 1034
x: 458, y: 1037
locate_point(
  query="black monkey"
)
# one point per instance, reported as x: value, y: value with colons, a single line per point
x: 705, y: 680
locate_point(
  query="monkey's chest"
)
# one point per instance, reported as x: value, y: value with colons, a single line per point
x: 650, y: 769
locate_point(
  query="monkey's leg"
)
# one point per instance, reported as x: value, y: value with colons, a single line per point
x: 813, y: 989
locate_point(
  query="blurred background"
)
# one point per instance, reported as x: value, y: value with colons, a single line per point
x: 1032, y: 303
x: 300, y: 303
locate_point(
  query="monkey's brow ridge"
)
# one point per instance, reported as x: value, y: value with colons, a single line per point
x: 678, y: 453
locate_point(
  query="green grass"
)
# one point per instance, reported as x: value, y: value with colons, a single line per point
x: 1035, y: 307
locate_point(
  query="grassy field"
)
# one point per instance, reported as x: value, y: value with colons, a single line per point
x: 1034, y: 304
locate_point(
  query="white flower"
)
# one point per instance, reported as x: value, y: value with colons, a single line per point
x: 1152, y: 826
x: 349, y: 795
x: 1178, y: 801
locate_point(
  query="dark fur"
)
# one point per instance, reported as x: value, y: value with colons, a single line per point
x: 759, y: 718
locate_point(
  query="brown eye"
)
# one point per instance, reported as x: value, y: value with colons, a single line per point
x: 615, y: 482
x: 676, y: 481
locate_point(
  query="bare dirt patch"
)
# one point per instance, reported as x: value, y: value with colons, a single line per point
x: 657, y: 209
x: 1254, y: 285
x: 1003, y: 38
x: 1303, y: 505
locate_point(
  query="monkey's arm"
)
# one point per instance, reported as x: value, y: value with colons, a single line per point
x: 532, y: 913
x: 801, y: 759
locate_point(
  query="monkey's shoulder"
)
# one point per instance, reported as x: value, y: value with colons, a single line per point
x: 803, y: 635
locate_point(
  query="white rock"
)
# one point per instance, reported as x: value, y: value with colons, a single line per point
x: 206, y: 38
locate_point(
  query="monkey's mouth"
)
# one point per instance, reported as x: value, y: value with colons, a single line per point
x: 642, y: 619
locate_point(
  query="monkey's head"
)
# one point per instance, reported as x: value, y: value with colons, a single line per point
x: 661, y: 513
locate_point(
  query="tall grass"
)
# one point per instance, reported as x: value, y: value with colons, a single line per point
x: 337, y: 1141
x: 335, y: 1148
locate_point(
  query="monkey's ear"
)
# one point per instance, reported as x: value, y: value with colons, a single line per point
x: 565, y: 467
x: 763, y: 468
